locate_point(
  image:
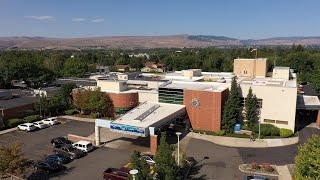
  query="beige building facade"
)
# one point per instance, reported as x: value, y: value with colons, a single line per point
x: 250, y: 67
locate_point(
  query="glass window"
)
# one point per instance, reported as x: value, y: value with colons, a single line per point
x: 269, y: 121
x: 282, y: 122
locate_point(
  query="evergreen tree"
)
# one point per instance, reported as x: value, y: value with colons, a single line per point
x: 308, y: 160
x: 231, y: 108
x: 141, y: 165
x: 251, y: 109
x: 166, y: 166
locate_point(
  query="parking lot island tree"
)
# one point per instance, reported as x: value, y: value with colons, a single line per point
x: 139, y: 163
x: 308, y: 160
x: 166, y: 165
x: 12, y: 160
x: 231, y: 108
x: 250, y: 109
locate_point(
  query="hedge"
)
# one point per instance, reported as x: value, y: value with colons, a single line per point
x: 32, y: 118
x: 220, y: 132
x: 286, y: 132
x: 266, y: 130
x: 14, y: 122
x: 71, y: 111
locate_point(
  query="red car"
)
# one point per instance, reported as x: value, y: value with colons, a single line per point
x: 116, y: 174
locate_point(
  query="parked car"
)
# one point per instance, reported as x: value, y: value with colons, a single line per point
x: 149, y: 159
x: 49, y: 166
x: 59, y: 158
x: 83, y: 146
x: 60, y: 141
x: 254, y: 177
x: 116, y: 174
x: 40, y: 125
x: 70, y: 151
x: 50, y: 121
x: 27, y: 127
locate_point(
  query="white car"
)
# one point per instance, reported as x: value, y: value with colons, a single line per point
x: 149, y: 159
x: 50, y: 121
x: 40, y: 125
x: 27, y: 127
x: 83, y: 146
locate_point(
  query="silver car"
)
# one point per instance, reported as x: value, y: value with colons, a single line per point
x: 40, y: 125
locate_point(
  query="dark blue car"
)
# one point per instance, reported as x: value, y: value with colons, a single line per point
x: 59, y: 158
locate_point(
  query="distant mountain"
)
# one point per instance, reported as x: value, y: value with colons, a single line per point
x: 131, y: 42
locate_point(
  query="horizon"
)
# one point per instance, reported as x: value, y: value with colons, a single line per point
x: 240, y: 20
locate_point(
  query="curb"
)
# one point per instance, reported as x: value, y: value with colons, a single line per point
x: 8, y: 130
x: 265, y: 174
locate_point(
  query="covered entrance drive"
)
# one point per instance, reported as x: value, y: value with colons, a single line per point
x: 308, y: 111
x: 143, y: 121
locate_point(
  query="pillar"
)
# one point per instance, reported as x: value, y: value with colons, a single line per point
x: 153, y: 144
x: 97, y: 135
x: 318, y: 119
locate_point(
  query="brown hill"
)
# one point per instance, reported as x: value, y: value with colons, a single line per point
x: 130, y: 42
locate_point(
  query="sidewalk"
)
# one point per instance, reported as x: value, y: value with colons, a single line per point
x: 244, y: 142
x: 284, y: 173
x: 77, y: 118
x: 8, y: 130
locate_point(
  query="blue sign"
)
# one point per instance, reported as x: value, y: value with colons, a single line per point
x: 237, y: 128
x: 127, y: 128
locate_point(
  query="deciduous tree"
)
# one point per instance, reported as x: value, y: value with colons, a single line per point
x: 308, y: 160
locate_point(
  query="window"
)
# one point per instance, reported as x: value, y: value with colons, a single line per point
x: 269, y: 121
x: 259, y: 102
x: 282, y: 122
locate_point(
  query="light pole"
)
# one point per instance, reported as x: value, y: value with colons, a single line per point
x: 133, y: 172
x: 178, y: 134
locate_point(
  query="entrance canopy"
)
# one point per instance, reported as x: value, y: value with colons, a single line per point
x: 143, y: 119
x: 308, y: 102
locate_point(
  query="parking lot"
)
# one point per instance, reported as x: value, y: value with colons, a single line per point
x: 36, y: 145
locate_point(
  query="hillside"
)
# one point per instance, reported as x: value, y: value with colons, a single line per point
x: 130, y: 42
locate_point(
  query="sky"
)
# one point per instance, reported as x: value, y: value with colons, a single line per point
x: 242, y: 19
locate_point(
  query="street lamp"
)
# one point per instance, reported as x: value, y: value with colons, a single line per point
x: 178, y: 134
x: 133, y: 172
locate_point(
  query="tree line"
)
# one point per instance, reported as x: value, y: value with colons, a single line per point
x: 38, y: 68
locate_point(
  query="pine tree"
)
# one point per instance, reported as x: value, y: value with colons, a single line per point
x: 231, y: 108
x: 141, y: 165
x: 166, y: 166
x: 251, y: 109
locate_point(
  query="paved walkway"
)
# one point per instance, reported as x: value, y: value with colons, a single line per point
x: 78, y: 118
x: 284, y: 173
x: 244, y: 142
x: 8, y: 130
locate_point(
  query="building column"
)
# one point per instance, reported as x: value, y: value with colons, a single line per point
x: 97, y: 135
x: 153, y: 144
x: 318, y: 119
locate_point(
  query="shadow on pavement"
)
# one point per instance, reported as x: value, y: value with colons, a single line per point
x: 196, y: 166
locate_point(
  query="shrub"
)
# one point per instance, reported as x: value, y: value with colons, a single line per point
x: 266, y: 130
x: 286, y: 132
x: 14, y: 122
x: 71, y: 111
x: 204, y: 132
x: 267, y: 167
x: 220, y: 132
x: 255, y: 165
x: 31, y: 118
x: 94, y: 115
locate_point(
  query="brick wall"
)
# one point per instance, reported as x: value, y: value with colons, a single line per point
x: 75, y: 138
x: 16, y: 112
x: 207, y: 116
x: 153, y: 144
x: 124, y: 100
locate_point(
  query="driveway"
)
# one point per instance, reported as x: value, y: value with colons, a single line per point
x: 220, y: 162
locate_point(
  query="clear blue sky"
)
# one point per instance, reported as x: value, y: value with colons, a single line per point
x: 241, y: 19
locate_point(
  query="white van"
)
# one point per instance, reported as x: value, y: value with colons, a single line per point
x: 83, y: 146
